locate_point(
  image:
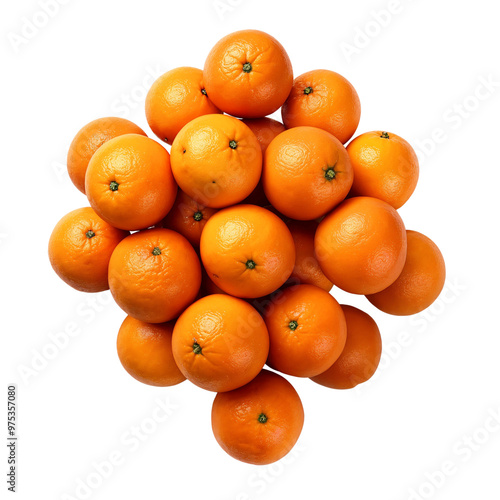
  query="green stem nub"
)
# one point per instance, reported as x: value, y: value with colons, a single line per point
x: 204, y: 92
x: 262, y: 418
x: 308, y: 90
x: 197, y: 348
x: 113, y: 185
x: 90, y: 234
x: 330, y: 174
x: 247, y: 67
x: 385, y: 135
x: 233, y: 144
x: 250, y: 264
x: 156, y: 251
x: 198, y: 216
x: 293, y: 325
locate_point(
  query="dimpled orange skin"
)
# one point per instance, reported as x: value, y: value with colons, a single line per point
x: 260, y: 422
x: 361, y: 245
x: 307, y: 269
x: 80, y: 248
x: 385, y: 167
x: 129, y: 182
x: 323, y: 99
x: 176, y: 98
x: 361, y: 355
x: 307, y: 331
x: 307, y: 172
x: 248, y: 74
x: 420, y: 283
x: 247, y: 251
x: 154, y: 275
x: 216, y: 160
x: 220, y: 343
x: 145, y: 351
x: 188, y: 217
x: 89, y: 139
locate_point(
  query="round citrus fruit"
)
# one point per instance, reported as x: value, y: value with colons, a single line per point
x: 265, y: 129
x: 420, y: 283
x: 220, y: 343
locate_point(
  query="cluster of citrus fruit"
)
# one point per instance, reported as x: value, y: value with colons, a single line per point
x: 223, y: 251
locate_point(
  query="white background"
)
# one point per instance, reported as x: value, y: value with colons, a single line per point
x: 439, y: 378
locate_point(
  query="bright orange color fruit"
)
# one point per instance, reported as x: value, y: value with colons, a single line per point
x: 420, y: 282
x: 361, y: 355
x: 176, y: 98
x: 307, y: 269
x: 361, y: 245
x: 307, y: 172
x: 220, y: 343
x: 145, y: 351
x: 307, y: 331
x: 89, y: 139
x: 216, y: 160
x: 385, y: 167
x: 260, y: 422
x: 80, y: 248
x: 323, y: 99
x: 154, y: 275
x: 247, y: 251
x: 188, y: 217
x: 265, y: 129
x: 129, y: 182
x: 248, y: 74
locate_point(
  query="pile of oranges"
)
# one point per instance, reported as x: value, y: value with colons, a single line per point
x: 223, y: 252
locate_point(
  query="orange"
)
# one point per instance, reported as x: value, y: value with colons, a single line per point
x: 420, y: 283
x: 361, y: 245
x: 265, y: 129
x: 306, y: 173
x: 247, y: 251
x: 154, y: 275
x: 89, y: 139
x: 129, y: 182
x: 216, y: 160
x: 385, y: 167
x: 176, y: 98
x: 188, y: 217
x: 361, y: 355
x: 260, y: 422
x: 248, y: 74
x: 307, y: 331
x: 220, y: 343
x: 307, y: 269
x: 80, y: 247
x: 323, y: 99
x: 145, y: 351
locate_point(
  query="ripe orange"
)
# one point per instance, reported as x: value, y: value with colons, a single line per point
x: 385, y: 167
x: 220, y: 343
x: 260, y: 422
x: 188, y: 218
x: 361, y: 355
x: 307, y: 269
x: 361, y: 245
x: 307, y: 331
x: 306, y: 173
x: 89, y: 139
x: 145, y: 351
x: 129, y: 182
x: 247, y: 251
x: 248, y: 74
x: 176, y: 98
x: 265, y: 129
x: 80, y: 247
x: 154, y: 275
x: 420, y: 283
x: 323, y: 99
x: 216, y: 160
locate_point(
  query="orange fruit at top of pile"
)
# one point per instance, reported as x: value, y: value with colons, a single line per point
x: 223, y: 250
